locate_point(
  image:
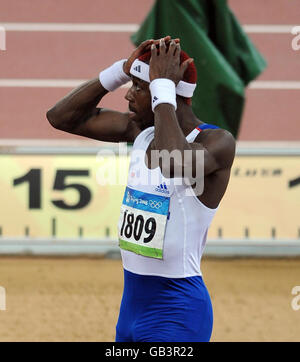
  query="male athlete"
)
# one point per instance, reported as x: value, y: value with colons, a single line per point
x: 162, y: 227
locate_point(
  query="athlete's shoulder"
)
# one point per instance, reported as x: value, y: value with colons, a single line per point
x: 221, y: 134
x: 220, y: 143
x: 212, y: 135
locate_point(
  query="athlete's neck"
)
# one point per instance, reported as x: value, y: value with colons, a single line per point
x: 186, y: 118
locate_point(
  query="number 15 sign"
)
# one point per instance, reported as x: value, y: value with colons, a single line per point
x: 38, y: 191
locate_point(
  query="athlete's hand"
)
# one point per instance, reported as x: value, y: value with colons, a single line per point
x: 142, y: 48
x: 165, y: 61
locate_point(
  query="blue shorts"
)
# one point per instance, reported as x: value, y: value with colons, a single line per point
x: 159, y: 309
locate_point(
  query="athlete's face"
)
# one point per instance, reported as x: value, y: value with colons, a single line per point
x: 139, y: 99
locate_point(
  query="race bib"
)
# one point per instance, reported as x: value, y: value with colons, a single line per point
x: 142, y: 223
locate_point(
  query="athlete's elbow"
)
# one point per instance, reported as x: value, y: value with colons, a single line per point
x: 56, y: 120
x: 52, y: 118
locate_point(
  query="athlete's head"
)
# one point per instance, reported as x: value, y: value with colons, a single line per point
x: 139, y: 96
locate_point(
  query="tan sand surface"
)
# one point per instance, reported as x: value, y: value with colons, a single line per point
x: 77, y: 299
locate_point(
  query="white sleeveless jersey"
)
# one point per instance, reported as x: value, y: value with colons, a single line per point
x: 186, y: 225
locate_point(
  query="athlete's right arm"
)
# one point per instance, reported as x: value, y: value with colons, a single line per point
x: 77, y: 113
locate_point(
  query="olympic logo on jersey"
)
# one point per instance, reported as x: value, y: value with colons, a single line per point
x: 155, y: 204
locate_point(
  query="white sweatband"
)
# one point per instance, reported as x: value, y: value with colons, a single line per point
x: 114, y: 76
x: 140, y: 70
x: 163, y: 91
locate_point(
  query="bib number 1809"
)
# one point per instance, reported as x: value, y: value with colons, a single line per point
x: 136, y: 226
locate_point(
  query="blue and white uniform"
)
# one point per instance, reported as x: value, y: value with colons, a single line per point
x: 162, y: 234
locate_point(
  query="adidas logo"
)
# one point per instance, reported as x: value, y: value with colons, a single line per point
x: 162, y: 188
x: 137, y: 68
x: 154, y: 99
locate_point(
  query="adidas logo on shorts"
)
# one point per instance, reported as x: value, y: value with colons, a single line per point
x: 154, y: 99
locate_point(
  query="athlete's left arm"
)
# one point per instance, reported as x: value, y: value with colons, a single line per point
x: 218, y: 146
x: 216, y: 151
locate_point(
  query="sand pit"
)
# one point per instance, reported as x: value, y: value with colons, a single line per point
x: 77, y: 299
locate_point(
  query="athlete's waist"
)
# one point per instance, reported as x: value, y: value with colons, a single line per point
x: 153, y: 286
x: 152, y: 271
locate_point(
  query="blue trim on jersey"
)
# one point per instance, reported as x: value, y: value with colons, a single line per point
x: 207, y: 126
x: 159, y: 309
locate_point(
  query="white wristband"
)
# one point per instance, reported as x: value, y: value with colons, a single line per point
x: 113, y: 77
x: 163, y: 91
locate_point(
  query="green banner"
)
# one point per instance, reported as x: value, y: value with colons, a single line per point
x: 225, y: 58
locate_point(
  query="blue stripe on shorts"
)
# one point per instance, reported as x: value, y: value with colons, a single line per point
x: 159, y: 309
